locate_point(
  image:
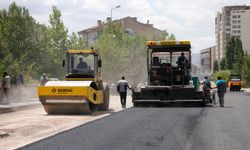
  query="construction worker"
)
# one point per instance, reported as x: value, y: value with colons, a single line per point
x: 206, y: 88
x: 183, y: 64
x: 43, y: 80
x: 182, y: 60
x: 207, y: 82
x: 6, y: 84
x: 82, y: 65
x: 122, y: 87
x: 156, y: 61
x: 221, y: 90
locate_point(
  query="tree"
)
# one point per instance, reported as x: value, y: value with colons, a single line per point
x: 75, y: 42
x: 216, y: 66
x: 17, y: 44
x: 239, y: 57
x: 58, y: 42
x: 123, y: 54
x: 223, y: 64
x: 245, y: 70
x: 230, y: 53
x: 172, y: 37
x: 234, y: 55
x: 224, y: 74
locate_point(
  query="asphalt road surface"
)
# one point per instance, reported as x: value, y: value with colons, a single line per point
x: 172, y: 128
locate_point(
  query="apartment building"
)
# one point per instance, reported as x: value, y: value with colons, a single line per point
x: 207, y: 57
x: 129, y: 25
x: 232, y: 21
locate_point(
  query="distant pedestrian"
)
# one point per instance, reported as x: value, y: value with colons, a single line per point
x: 20, y: 86
x: 20, y: 80
x: 43, y: 80
x: 6, y: 84
x: 221, y: 90
x: 122, y: 87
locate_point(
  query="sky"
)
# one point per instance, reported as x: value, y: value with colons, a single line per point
x: 187, y: 19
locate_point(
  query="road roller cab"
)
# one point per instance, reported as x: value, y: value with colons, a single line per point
x: 83, y: 91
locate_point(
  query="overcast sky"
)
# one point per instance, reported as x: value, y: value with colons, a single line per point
x: 187, y: 19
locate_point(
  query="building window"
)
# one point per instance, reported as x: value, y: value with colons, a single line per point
x: 234, y: 26
x: 238, y: 26
x: 234, y: 16
x: 238, y: 16
x: 238, y: 21
x: 129, y: 31
x: 238, y: 31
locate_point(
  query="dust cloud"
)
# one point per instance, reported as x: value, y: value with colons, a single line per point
x: 19, y: 93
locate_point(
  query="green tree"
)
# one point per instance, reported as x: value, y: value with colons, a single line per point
x: 58, y: 42
x: 239, y: 57
x: 44, y: 55
x: 234, y: 55
x: 17, y: 44
x: 216, y: 66
x: 75, y: 42
x: 224, y: 74
x: 230, y: 53
x: 123, y: 54
x: 172, y: 37
x: 223, y: 64
x: 245, y: 70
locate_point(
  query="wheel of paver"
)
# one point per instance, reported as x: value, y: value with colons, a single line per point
x: 105, y: 105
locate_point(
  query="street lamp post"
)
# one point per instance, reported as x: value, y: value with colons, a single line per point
x: 118, y: 6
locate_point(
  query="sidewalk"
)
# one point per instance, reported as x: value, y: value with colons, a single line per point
x: 14, y: 106
x: 246, y: 90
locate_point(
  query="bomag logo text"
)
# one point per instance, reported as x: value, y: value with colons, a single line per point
x: 61, y: 90
x: 64, y: 90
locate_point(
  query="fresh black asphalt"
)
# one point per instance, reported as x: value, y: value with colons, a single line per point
x: 162, y: 128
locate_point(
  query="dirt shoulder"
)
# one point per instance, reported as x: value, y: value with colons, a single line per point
x: 26, y: 126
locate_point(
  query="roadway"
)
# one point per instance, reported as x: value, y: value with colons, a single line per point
x: 25, y: 125
x: 174, y: 127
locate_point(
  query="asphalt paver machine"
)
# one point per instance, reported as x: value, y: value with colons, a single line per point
x: 169, y: 80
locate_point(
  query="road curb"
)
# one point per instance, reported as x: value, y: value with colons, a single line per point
x: 17, y: 107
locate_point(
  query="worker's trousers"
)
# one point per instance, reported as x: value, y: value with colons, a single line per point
x: 123, y: 96
x: 221, y: 98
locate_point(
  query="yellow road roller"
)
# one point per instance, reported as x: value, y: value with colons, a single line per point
x: 83, y: 91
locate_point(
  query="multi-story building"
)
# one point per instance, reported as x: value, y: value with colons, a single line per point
x: 232, y: 21
x: 208, y: 56
x: 129, y: 25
